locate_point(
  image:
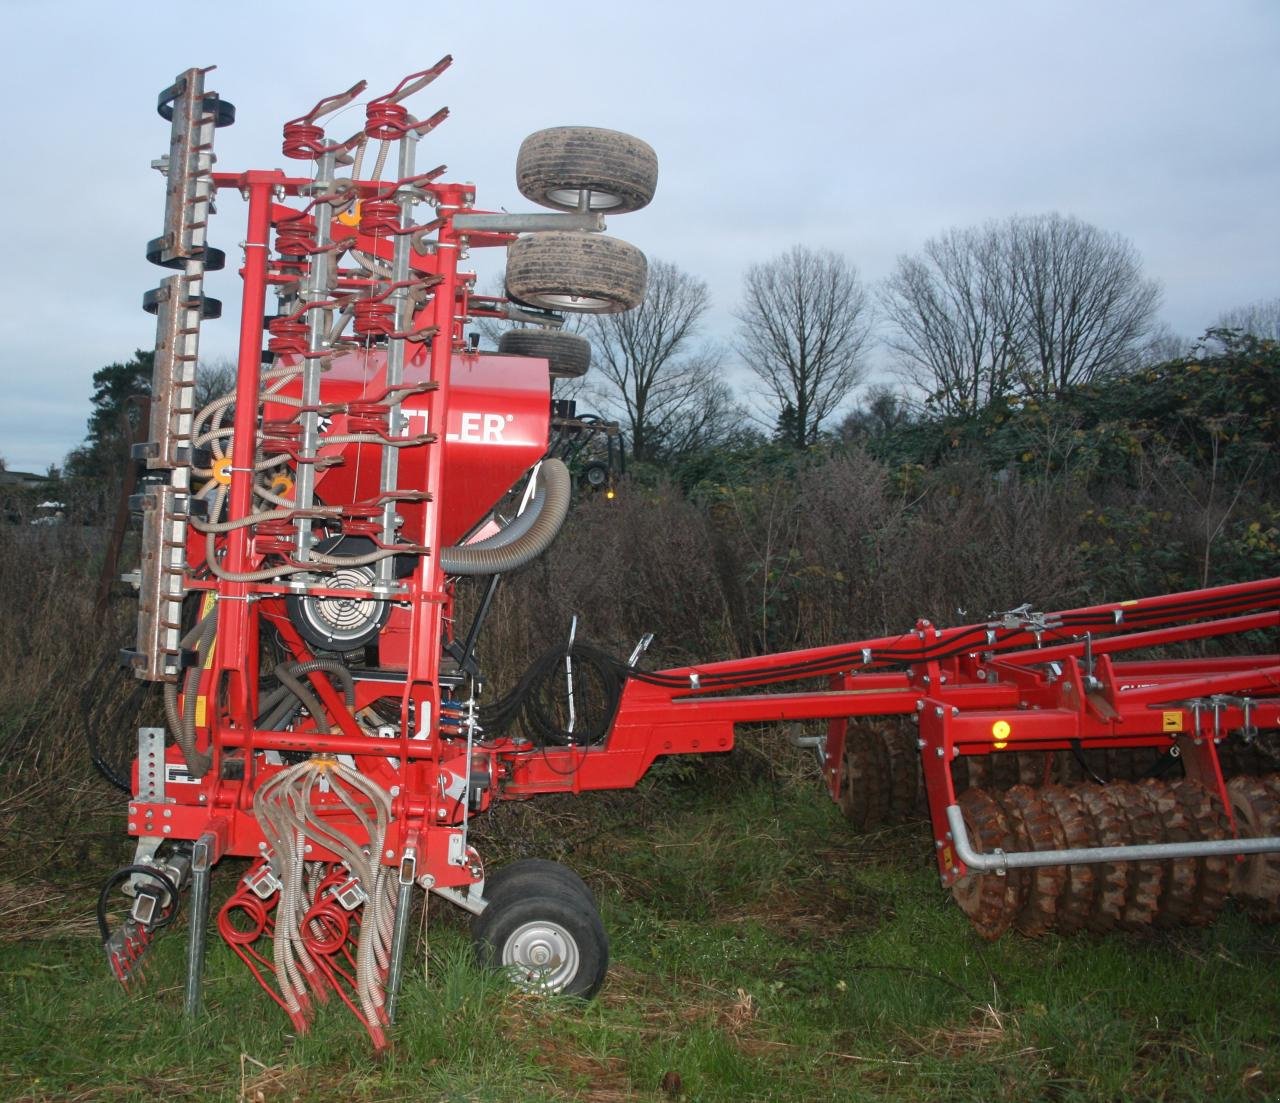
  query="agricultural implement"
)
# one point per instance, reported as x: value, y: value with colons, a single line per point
x: 303, y: 535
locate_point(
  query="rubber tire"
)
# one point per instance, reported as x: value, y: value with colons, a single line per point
x: 582, y: 273
x: 575, y: 918
x: 568, y: 356
x: 529, y: 875
x: 620, y: 172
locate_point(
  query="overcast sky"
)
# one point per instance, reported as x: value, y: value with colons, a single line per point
x: 857, y: 126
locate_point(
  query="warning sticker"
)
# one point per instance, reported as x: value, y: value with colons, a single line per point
x: 1172, y: 721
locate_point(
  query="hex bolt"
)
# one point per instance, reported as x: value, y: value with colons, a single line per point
x: 390, y: 854
x: 167, y: 829
x: 168, y: 813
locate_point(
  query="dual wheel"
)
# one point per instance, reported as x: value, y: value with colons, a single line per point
x: 577, y: 169
x: 541, y: 927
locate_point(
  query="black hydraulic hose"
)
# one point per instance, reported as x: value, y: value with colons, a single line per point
x: 182, y: 724
x: 281, y: 702
x: 522, y: 541
x: 302, y: 692
x: 166, y: 882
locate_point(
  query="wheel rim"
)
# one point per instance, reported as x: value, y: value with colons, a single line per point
x: 596, y: 200
x: 559, y: 300
x: 541, y: 956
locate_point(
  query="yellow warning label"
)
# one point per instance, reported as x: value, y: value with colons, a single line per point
x: 1172, y: 721
x: 947, y: 859
x: 1000, y: 732
x: 202, y: 703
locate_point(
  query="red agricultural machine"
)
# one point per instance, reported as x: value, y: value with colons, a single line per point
x: 301, y: 541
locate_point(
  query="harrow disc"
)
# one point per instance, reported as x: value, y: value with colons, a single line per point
x: 1075, y: 904
x: 903, y: 762
x: 1037, y: 829
x: 991, y: 901
x: 1209, y: 821
x: 1145, y: 878
x: 1181, y: 886
x: 1110, y: 827
x: 1256, y: 880
x: 864, y: 778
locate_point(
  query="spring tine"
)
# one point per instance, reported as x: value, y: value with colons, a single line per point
x: 331, y: 103
x: 415, y: 82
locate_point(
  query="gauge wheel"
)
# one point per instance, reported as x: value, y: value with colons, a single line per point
x: 568, y: 356
x: 548, y: 940
x: 564, y: 165
x: 582, y: 273
x: 532, y: 874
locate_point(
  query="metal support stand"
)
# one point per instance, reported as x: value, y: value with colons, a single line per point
x: 399, y: 940
x: 198, y: 918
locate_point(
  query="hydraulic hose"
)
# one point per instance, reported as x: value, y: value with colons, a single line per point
x: 522, y: 541
x: 182, y: 723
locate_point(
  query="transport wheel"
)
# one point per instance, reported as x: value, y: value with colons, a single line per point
x: 585, y: 273
x: 1145, y: 878
x: 528, y: 875
x: 1256, y: 880
x: 557, y: 167
x: 1110, y: 827
x: 549, y: 940
x: 568, y: 356
x: 1075, y: 904
x: 1209, y: 821
x: 990, y: 901
x: 1181, y: 875
x: 1037, y: 829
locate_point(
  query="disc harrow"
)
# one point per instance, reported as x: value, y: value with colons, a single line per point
x: 1132, y: 895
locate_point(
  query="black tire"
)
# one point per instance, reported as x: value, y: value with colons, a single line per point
x: 568, y: 356
x: 548, y: 941
x: 583, y: 273
x: 531, y: 875
x: 554, y: 167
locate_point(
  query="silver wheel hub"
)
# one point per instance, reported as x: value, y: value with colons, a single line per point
x: 541, y: 956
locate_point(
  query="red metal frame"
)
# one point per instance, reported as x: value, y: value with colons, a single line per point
x: 1022, y: 680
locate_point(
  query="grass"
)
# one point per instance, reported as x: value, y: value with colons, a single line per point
x: 760, y: 951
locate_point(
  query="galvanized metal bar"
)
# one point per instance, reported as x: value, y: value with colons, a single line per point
x: 399, y: 941
x: 527, y: 223
x: 315, y: 289
x: 402, y: 249
x: 1001, y: 860
x: 198, y: 919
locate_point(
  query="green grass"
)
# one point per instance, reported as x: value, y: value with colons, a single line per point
x: 760, y: 951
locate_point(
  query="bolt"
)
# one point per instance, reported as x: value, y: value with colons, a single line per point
x: 939, y: 752
x: 308, y: 848
x: 439, y: 813
x: 168, y: 813
x: 921, y: 744
x: 937, y: 844
x: 937, y: 711
x: 395, y: 790
x: 167, y: 829
x: 133, y: 827
x: 955, y: 870
x: 390, y: 854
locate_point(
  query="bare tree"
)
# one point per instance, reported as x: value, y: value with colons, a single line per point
x: 1260, y: 319
x: 955, y: 313
x: 1085, y: 305
x: 803, y: 323
x: 658, y: 377
x: 1030, y: 305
